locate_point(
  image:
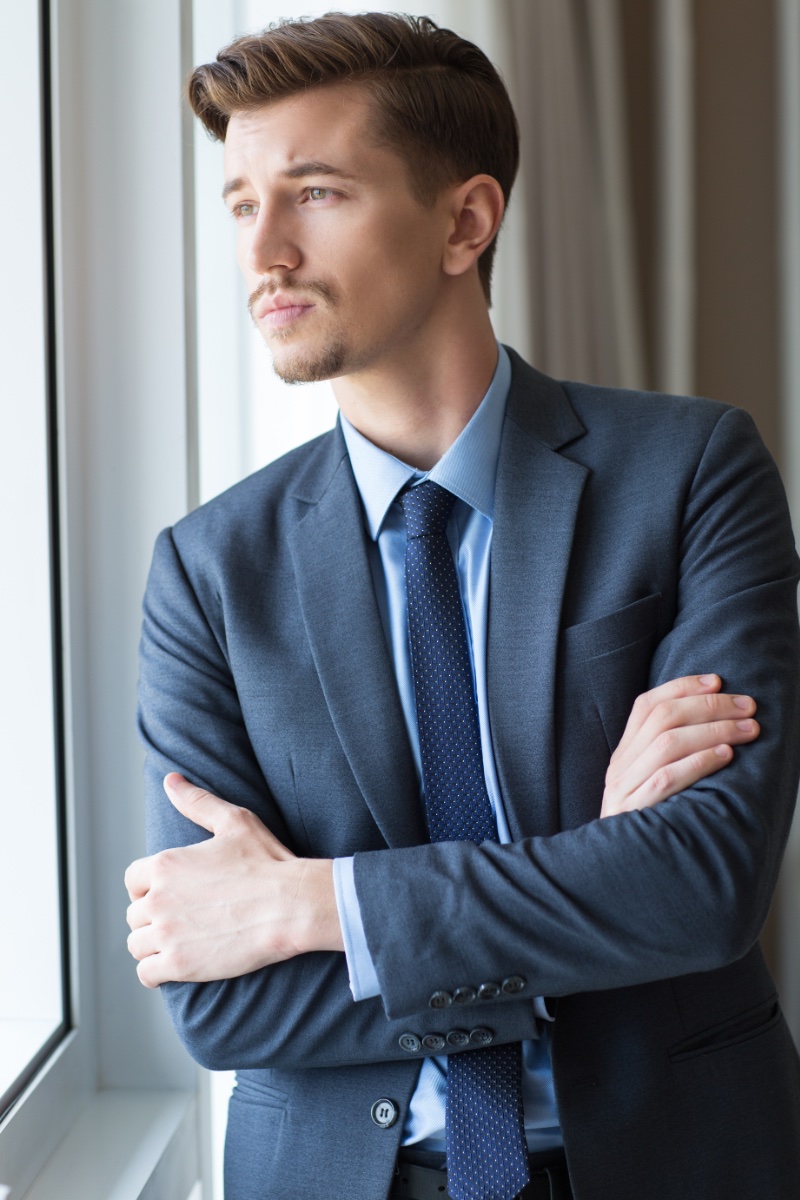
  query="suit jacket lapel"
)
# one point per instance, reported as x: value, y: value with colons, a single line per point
x: 344, y: 629
x: 537, y: 496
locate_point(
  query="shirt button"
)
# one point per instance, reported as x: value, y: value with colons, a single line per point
x: 433, y: 1041
x: 384, y: 1113
x: 481, y: 1036
x: 458, y: 1038
x: 440, y: 1000
x: 513, y: 984
x: 464, y: 995
x: 410, y: 1042
x: 488, y: 991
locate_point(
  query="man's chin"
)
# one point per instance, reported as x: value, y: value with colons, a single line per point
x: 298, y: 366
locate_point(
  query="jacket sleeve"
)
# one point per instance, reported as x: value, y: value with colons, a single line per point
x: 682, y: 887
x: 298, y: 1013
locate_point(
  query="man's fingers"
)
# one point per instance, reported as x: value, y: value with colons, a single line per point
x: 200, y: 807
x: 669, y: 715
x: 677, y: 745
x: 137, y: 878
x: 675, y: 689
x: 137, y: 914
x: 678, y: 776
x: 151, y: 971
x: 142, y: 942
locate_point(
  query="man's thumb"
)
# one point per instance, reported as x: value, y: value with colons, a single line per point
x: 198, y: 805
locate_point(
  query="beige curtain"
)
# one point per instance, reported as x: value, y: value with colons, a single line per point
x: 565, y: 292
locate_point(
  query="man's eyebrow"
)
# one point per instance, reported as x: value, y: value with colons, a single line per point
x: 233, y: 185
x: 315, y: 168
x: 299, y: 171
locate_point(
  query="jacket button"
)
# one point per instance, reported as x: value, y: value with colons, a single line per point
x: 458, y: 1038
x: 464, y: 995
x: 488, y: 991
x: 384, y: 1113
x: 440, y: 1000
x: 409, y: 1042
x: 513, y: 984
x: 433, y: 1041
x: 481, y: 1036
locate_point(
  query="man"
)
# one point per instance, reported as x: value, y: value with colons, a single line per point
x: 461, y: 591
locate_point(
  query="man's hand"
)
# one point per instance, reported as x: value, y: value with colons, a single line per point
x: 231, y: 904
x: 676, y: 735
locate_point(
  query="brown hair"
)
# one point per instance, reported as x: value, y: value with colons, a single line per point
x: 440, y: 103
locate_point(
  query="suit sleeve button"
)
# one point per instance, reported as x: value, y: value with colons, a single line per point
x: 458, y: 1039
x: 433, y: 1041
x: 464, y: 995
x: 384, y: 1113
x: 481, y: 1036
x: 440, y: 1000
x: 488, y: 991
x: 409, y: 1042
x: 513, y: 984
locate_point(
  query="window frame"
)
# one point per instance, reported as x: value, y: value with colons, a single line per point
x: 18, y: 1086
x: 122, y: 354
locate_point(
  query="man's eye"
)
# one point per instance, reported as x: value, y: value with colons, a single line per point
x: 243, y: 210
x: 319, y: 193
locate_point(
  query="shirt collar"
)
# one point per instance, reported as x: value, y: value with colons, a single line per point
x: 467, y: 469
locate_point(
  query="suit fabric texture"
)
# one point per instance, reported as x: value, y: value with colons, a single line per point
x: 637, y: 538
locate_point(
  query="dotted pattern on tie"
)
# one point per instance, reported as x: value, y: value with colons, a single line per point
x: 486, y: 1152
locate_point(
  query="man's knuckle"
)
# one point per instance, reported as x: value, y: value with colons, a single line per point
x: 667, y: 741
x: 661, y: 780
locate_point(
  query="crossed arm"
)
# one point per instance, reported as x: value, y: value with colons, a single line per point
x: 240, y: 900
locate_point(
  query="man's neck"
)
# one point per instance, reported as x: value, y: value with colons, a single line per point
x: 415, y: 404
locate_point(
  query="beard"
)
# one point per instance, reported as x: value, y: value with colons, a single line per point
x: 308, y: 367
x: 303, y: 366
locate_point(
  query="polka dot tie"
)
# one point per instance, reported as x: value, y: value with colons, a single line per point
x: 486, y: 1152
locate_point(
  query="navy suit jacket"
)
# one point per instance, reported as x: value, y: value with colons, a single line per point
x: 637, y: 538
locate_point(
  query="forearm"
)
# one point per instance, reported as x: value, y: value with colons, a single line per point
x: 681, y: 887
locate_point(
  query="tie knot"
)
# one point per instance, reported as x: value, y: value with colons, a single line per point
x: 427, y: 509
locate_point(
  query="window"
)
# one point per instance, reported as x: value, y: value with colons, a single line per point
x: 33, y: 999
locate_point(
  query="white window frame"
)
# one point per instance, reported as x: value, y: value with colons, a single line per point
x: 114, y: 1110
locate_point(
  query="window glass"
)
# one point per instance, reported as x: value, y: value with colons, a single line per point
x: 32, y: 1011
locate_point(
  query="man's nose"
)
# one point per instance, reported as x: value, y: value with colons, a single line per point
x: 271, y: 247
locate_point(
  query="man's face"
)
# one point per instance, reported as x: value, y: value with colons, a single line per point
x: 342, y: 263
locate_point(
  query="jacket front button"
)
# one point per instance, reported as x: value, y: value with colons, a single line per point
x: 384, y: 1113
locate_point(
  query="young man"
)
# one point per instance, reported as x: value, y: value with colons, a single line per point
x: 429, y: 925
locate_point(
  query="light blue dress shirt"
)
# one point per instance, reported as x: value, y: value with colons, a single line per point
x: 467, y: 469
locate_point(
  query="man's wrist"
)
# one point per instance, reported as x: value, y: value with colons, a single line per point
x: 317, y: 914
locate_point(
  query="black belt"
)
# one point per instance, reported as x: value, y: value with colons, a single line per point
x: 549, y: 1181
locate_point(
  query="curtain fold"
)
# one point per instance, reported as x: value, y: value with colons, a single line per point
x: 566, y: 285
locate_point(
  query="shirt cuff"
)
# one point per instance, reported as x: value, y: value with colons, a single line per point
x: 541, y: 1009
x: 363, y: 980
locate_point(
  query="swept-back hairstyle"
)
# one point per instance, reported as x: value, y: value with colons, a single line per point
x: 437, y: 99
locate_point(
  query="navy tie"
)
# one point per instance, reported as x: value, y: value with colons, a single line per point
x: 486, y: 1152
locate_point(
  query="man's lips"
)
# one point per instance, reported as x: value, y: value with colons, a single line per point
x: 277, y: 311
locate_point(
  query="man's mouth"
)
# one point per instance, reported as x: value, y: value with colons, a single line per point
x: 276, y: 315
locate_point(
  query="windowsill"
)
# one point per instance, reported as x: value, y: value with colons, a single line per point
x: 126, y: 1145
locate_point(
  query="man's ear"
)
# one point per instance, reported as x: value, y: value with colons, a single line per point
x: 477, y: 208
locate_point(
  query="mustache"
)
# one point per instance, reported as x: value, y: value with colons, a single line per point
x: 313, y: 287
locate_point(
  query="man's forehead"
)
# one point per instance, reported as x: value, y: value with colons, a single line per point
x: 331, y: 125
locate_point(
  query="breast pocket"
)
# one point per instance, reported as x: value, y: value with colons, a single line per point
x: 607, y: 661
